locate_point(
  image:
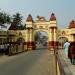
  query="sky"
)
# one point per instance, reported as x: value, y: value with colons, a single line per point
x: 64, y: 10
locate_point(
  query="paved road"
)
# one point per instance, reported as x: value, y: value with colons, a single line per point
x: 38, y: 62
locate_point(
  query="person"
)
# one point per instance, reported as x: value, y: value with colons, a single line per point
x: 6, y: 48
x: 2, y: 49
x: 66, y: 46
x: 71, y: 52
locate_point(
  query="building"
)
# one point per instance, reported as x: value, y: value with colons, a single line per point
x: 25, y: 39
x: 67, y: 33
x: 32, y: 27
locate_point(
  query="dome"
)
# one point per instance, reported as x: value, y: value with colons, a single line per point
x: 72, y: 24
x: 52, y: 18
x: 29, y: 18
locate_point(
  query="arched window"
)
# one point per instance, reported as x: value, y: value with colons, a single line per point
x: 20, y: 40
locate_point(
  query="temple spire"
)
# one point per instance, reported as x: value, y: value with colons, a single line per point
x: 52, y: 18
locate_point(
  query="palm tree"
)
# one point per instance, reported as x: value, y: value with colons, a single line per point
x: 17, y: 19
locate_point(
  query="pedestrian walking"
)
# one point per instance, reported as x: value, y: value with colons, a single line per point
x: 71, y: 52
x: 66, y: 46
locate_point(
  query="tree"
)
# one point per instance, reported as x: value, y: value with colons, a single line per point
x: 17, y: 19
x: 21, y: 27
x: 8, y: 19
x: 4, y: 18
x: 1, y: 18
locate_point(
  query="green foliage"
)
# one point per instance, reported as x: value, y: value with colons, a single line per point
x: 21, y: 27
x: 4, y: 18
x: 15, y: 20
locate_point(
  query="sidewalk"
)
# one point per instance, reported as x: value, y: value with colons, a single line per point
x: 68, y: 67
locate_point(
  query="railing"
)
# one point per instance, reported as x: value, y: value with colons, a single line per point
x: 4, y: 33
x: 61, y: 67
x: 12, y: 32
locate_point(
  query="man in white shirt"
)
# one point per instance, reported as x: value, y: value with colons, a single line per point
x: 66, y: 46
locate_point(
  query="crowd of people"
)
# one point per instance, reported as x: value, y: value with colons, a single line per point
x: 69, y: 50
x: 4, y: 48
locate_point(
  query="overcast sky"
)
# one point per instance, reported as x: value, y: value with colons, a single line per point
x: 63, y: 9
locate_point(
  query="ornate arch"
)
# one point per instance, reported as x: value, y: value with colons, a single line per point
x: 20, y: 40
x: 41, y: 38
x: 61, y: 41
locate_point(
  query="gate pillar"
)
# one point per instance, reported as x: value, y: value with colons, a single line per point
x: 30, y: 43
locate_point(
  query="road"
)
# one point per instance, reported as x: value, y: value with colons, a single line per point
x: 37, y: 62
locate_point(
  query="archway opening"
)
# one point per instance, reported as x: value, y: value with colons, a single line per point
x: 41, y: 39
x: 20, y: 40
x: 20, y: 44
x: 61, y: 41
